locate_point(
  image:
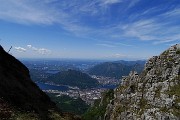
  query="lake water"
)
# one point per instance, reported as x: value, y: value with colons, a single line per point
x: 44, y: 86
x: 52, y: 71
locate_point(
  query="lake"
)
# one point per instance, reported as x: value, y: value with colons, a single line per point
x: 52, y: 71
x: 44, y: 86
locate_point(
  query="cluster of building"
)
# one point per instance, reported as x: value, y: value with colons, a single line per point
x: 88, y: 95
x: 106, y: 80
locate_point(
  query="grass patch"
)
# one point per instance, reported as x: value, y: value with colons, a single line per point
x: 98, y: 110
x: 178, y: 51
x: 121, y: 88
x: 120, y: 109
x: 26, y: 116
x: 143, y: 105
x: 165, y: 53
x: 158, y: 92
x: 175, y: 91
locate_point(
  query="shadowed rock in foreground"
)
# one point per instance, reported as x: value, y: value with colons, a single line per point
x: 20, y: 98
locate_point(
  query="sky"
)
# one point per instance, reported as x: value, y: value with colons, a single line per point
x: 89, y: 29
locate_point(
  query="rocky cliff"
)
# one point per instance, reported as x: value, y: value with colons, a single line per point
x: 153, y: 94
x: 20, y: 98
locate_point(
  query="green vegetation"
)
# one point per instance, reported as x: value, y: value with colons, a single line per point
x: 158, y: 91
x: 143, y: 105
x: 68, y: 104
x: 56, y: 116
x: 121, y: 88
x: 25, y: 116
x: 178, y: 51
x: 99, y: 108
x: 73, y: 78
x: 165, y: 53
x: 175, y: 91
x: 164, y: 109
x: 120, y: 109
x: 170, y: 59
x: 36, y: 74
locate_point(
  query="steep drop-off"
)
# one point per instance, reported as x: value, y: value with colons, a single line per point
x: 20, y: 98
x: 152, y: 95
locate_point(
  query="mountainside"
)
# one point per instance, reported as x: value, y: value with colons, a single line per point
x: 69, y: 104
x: 154, y: 94
x: 73, y: 78
x: 97, y: 111
x: 117, y: 69
x: 20, y: 98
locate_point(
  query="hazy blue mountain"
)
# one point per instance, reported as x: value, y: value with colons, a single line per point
x: 116, y: 69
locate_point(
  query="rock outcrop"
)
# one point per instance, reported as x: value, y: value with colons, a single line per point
x: 152, y: 95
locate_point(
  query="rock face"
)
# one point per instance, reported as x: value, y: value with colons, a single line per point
x: 152, y: 95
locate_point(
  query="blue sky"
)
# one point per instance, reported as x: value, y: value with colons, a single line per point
x: 89, y: 29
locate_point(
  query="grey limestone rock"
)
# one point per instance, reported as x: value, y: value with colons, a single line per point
x: 152, y: 95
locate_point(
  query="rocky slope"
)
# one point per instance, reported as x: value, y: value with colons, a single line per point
x: 20, y: 98
x: 152, y: 95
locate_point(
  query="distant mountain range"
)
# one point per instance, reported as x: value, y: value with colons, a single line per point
x: 116, y: 69
x: 73, y: 78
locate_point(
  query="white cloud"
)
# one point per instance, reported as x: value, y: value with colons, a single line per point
x: 132, y: 3
x: 128, y: 45
x: 152, y: 30
x: 126, y: 57
x: 113, y: 44
x: 117, y: 55
x: 26, y: 12
x: 44, y: 12
x: 44, y: 51
x: 54, y: 11
x: 34, y: 49
x: 29, y: 46
x: 106, y: 45
x: 160, y: 29
x: 20, y: 49
x: 106, y: 2
x: 175, y: 12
